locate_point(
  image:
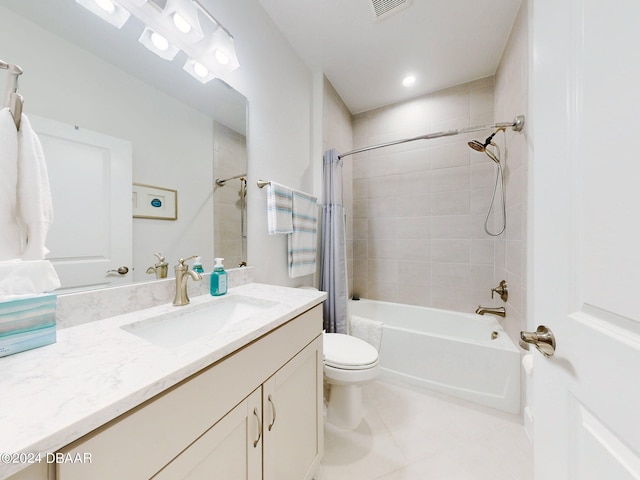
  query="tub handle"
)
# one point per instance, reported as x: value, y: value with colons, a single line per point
x: 542, y: 339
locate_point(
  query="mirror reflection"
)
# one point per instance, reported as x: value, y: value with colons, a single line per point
x: 98, y: 97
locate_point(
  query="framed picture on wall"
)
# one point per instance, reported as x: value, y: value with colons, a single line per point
x: 154, y: 202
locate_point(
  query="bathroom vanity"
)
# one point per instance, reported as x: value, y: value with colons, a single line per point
x: 242, y: 402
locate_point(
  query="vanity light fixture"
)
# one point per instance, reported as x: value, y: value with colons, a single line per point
x: 158, y: 44
x: 107, y: 10
x: 224, y: 52
x: 172, y: 26
x: 198, y: 71
x: 181, y: 18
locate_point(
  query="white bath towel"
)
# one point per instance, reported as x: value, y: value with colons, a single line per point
x: 34, y: 206
x: 10, y: 244
x: 303, y: 241
x: 279, y: 208
x: 366, y: 329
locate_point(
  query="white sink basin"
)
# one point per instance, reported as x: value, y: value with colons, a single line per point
x: 190, y: 323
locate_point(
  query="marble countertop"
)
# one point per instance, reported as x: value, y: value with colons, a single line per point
x: 55, y: 394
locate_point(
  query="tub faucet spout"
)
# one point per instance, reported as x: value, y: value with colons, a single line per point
x: 500, y: 311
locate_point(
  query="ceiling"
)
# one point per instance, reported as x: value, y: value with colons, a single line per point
x: 442, y: 42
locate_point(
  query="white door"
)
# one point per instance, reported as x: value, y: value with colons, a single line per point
x: 585, y: 237
x: 90, y: 176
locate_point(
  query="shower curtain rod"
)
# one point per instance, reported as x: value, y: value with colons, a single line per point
x: 516, y: 125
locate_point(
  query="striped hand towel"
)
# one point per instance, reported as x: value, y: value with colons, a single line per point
x: 279, y: 209
x: 302, y: 242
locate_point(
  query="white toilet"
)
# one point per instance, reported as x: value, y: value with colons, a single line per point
x: 349, y: 362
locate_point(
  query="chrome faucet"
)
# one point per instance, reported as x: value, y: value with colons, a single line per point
x: 182, y: 275
x: 500, y: 311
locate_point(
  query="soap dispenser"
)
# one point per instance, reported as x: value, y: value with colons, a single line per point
x: 218, y: 285
x: 197, y: 265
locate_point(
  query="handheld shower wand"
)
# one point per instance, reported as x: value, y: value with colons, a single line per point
x: 482, y: 147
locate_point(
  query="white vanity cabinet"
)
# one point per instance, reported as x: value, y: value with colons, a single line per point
x: 255, y: 414
x: 292, y: 420
x: 227, y: 450
x: 275, y: 433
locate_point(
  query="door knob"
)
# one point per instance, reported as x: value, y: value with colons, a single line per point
x: 542, y: 339
x: 122, y: 270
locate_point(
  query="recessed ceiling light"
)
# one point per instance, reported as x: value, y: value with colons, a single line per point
x: 408, y: 80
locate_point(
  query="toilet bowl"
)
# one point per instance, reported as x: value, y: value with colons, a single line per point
x: 349, y: 362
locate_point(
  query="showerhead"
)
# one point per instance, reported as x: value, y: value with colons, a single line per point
x: 477, y: 146
x: 482, y: 147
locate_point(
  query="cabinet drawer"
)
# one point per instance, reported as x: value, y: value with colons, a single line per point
x: 139, y: 443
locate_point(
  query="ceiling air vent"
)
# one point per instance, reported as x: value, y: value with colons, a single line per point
x: 383, y: 9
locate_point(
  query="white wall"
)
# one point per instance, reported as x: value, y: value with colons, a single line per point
x: 172, y: 143
x: 277, y: 84
x: 279, y: 88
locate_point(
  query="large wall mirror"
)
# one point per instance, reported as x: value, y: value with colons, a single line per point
x: 97, y: 88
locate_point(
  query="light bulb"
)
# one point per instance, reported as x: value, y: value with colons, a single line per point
x: 106, y: 5
x: 159, y: 41
x: 180, y: 23
x: 222, y: 57
x: 200, y: 69
x: 408, y: 80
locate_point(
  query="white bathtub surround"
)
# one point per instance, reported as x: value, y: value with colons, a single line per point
x: 90, y: 305
x: 450, y: 352
x: 410, y: 433
x: 97, y: 371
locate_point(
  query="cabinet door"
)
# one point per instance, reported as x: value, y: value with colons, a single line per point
x: 293, y: 428
x: 230, y: 450
x: 37, y: 471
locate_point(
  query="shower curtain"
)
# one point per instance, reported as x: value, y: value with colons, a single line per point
x: 333, y: 275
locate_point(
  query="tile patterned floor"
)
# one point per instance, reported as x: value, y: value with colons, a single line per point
x: 413, y: 434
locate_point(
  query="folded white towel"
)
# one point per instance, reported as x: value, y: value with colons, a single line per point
x: 303, y: 241
x: 10, y: 244
x: 366, y: 329
x: 279, y: 209
x: 35, y: 209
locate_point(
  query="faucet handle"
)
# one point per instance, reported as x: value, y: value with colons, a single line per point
x: 182, y: 260
x: 501, y: 290
x: 181, y: 267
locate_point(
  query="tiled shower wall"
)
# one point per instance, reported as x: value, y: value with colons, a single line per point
x: 337, y: 132
x: 419, y: 208
x: 511, y: 99
x: 230, y: 159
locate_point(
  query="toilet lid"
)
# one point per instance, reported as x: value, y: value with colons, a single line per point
x: 345, y: 351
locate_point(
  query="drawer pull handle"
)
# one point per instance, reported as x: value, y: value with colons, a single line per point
x: 255, y: 443
x: 273, y: 409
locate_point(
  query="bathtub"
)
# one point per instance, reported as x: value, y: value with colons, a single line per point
x: 450, y: 352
